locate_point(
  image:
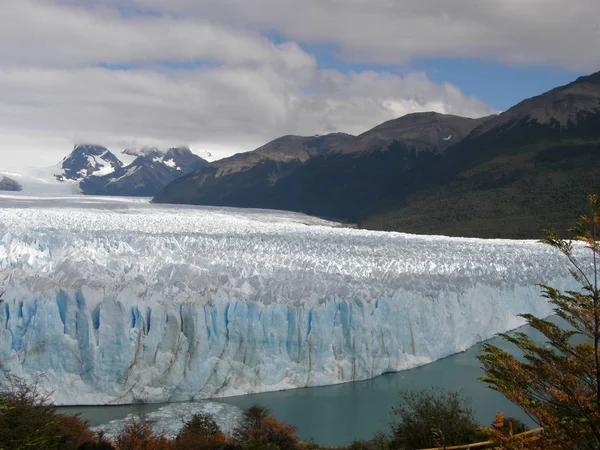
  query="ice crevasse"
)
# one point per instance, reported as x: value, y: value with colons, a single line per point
x: 123, y: 303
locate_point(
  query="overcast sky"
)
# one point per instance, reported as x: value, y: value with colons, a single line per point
x: 226, y: 76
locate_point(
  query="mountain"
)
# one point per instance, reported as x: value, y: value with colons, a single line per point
x: 245, y: 178
x: 86, y: 160
x: 146, y: 175
x: 562, y: 107
x: 286, y: 149
x: 419, y: 131
x: 261, y: 178
x: 8, y: 184
x: 501, y: 176
x: 530, y: 167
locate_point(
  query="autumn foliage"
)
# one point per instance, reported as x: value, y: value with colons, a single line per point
x: 29, y: 420
x: 139, y: 435
x: 557, y: 382
x: 259, y: 429
x: 201, y: 432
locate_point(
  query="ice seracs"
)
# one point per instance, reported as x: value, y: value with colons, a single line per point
x: 118, y: 302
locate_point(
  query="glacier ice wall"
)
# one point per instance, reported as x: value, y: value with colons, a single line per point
x: 119, y: 302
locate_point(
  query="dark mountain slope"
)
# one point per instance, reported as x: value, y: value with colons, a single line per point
x: 329, y: 181
x: 286, y: 149
x: 378, y: 169
x: 420, y: 131
x: 531, y: 167
x: 527, y: 168
x: 246, y: 179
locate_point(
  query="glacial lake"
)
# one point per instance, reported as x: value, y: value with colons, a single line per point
x: 337, y: 415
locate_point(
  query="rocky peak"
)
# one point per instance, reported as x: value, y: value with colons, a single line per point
x: 563, y: 106
x: 86, y: 160
x: 429, y: 131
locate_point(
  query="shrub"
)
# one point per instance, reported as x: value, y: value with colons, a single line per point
x: 258, y: 429
x: 281, y: 434
x: 201, y: 424
x: 433, y: 418
x: 138, y: 434
x: 201, y: 432
x: 508, y: 425
x: 252, y: 419
x: 29, y: 420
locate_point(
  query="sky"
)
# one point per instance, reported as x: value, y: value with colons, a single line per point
x: 226, y: 76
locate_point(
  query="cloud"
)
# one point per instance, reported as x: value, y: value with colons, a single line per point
x: 220, y: 108
x: 181, y: 75
x: 545, y: 32
x: 558, y: 33
x: 43, y: 33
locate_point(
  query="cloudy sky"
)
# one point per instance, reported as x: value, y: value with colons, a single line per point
x: 229, y: 75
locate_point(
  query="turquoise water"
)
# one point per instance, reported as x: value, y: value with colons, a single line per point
x: 337, y: 415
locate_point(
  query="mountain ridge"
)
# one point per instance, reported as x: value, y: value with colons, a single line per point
x: 430, y: 131
x: 97, y: 171
x: 222, y: 182
x: 508, y: 176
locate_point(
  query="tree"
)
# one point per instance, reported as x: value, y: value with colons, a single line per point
x: 202, y: 424
x: 258, y: 429
x: 29, y: 421
x: 201, y: 432
x: 280, y: 434
x: 138, y: 434
x: 252, y: 419
x: 508, y: 425
x: 433, y: 418
x: 556, y: 382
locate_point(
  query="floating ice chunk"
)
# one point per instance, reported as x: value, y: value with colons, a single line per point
x: 169, y: 419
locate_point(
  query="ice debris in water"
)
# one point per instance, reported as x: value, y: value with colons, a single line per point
x: 169, y: 419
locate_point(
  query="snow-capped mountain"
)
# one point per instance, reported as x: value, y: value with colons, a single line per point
x: 146, y: 175
x: 138, y: 172
x: 86, y: 160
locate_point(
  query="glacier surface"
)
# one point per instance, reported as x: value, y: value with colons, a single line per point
x: 117, y: 301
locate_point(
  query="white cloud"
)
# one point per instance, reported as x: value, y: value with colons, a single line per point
x: 546, y: 32
x: 43, y: 33
x: 55, y: 90
x: 221, y: 108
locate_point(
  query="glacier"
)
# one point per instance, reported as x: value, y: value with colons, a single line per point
x: 118, y: 301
